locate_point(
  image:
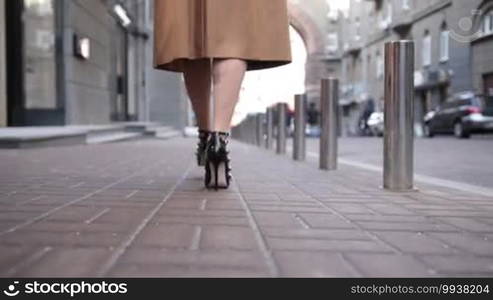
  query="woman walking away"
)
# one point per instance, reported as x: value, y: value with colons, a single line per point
x: 213, y: 43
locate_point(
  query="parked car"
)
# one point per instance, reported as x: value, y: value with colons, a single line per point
x: 463, y: 115
x: 376, y: 123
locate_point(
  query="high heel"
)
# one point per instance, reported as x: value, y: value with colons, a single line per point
x: 217, y: 162
x: 201, y: 146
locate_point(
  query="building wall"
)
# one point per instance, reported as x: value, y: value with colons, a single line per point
x: 90, y: 84
x: 167, y: 101
x: 464, y: 69
x: 3, y: 92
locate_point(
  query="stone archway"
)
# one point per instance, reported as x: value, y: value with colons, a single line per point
x: 315, y: 41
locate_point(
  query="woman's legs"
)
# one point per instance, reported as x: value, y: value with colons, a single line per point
x: 226, y: 78
x: 228, y: 75
x: 198, y: 80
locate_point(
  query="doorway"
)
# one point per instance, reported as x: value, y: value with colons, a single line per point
x: 488, y: 85
x: 32, y: 61
x: 120, y: 109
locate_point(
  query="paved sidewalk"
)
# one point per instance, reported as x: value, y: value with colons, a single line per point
x: 139, y: 209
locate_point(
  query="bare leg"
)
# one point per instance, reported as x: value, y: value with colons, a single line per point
x: 198, y: 80
x: 228, y: 75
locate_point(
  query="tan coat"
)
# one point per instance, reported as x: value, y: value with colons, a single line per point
x: 254, y: 30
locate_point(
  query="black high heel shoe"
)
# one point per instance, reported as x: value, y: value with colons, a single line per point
x: 217, y: 162
x: 201, y: 146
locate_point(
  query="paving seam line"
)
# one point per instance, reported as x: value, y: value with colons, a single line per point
x: 120, y: 250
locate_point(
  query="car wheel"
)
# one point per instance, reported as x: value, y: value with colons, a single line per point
x: 427, y: 131
x: 460, y: 132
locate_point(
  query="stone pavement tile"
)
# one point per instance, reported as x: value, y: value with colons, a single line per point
x: 227, y: 238
x: 17, y: 216
x: 25, y: 237
x: 294, y: 198
x: 313, y: 264
x: 313, y: 233
x: 414, y: 243
x: 205, y: 194
x: 172, y: 236
x: 287, y: 208
x: 166, y: 263
x: 468, y: 224
x: 388, y: 218
x: 163, y: 212
x: 13, y: 256
x: 260, y: 196
x: 467, y: 242
x: 406, y: 226
x: 297, y: 244
x: 130, y: 215
x: 350, y: 200
x: 276, y: 219
x: 74, y: 214
x: 220, y: 204
x: 390, y: 209
x: 6, y: 225
x: 202, y: 220
x: 67, y: 262
x: 326, y: 220
x: 53, y: 226
x: 184, y: 203
x: 350, y: 208
x: 455, y: 265
x: 388, y: 265
x: 456, y: 213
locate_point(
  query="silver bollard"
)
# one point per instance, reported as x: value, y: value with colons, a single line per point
x: 299, y: 140
x: 269, y: 142
x: 281, y: 128
x: 260, y: 129
x: 329, y: 106
x: 399, y: 116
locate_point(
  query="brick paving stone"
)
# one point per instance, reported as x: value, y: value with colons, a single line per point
x: 276, y: 219
x: 415, y: 243
x: 168, y: 263
x: 327, y: 220
x: 166, y: 236
x: 128, y: 208
x: 306, y: 244
x: 469, y: 243
x: 468, y: 224
x: 310, y: 264
x: 314, y: 233
x: 406, y: 226
x: 229, y: 238
x: 460, y: 265
x: 67, y: 262
x: 385, y: 265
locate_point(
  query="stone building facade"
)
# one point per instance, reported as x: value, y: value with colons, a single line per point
x: 85, y: 62
x: 453, y: 53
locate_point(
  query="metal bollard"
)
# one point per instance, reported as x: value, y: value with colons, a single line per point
x: 329, y: 102
x: 260, y: 129
x: 281, y: 128
x: 399, y: 116
x: 299, y: 140
x: 269, y: 128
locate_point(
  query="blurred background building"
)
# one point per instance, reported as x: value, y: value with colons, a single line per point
x: 79, y: 62
x: 454, y: 51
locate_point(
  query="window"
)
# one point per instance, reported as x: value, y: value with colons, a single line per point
x: 358, y: 29
x: 427, y: 49
x: 380, y: 66
x: 444, y: 44
x: 487, y: 23
x: 405, y: 4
